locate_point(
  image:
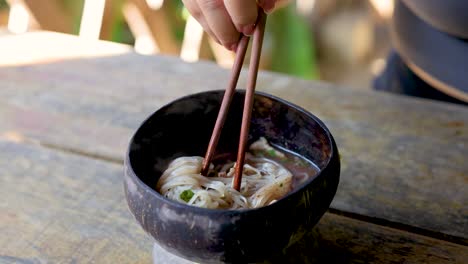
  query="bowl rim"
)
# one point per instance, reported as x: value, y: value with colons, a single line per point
x: 206, y: 211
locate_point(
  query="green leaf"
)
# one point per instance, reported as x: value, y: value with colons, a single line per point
x: 293, y: 45
x: 272, y: 153
x: 186, y: 195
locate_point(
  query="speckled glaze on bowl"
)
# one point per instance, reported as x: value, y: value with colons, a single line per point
x: 184, y: 127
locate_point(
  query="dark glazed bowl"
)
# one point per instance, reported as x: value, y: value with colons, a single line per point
x: 184, y: 127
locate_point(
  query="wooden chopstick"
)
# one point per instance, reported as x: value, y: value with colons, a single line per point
x: 228, y: 95
x: 248, y: 103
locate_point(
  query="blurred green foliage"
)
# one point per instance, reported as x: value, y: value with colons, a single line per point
x: 293, y: 45
x: 75, y: 9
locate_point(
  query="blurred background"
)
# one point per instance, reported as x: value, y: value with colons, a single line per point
x: 339, y: 41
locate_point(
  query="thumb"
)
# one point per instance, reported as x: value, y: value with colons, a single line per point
x: 270, y: 5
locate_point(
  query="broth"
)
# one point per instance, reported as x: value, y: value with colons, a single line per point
x: 301, y: 168
x: 268, y: 175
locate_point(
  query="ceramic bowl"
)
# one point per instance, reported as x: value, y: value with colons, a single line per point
x: 183, y: 128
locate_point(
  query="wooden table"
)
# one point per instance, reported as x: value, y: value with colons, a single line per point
x: 65, y: 125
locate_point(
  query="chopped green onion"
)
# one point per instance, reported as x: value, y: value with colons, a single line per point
x: 186, y: 195
x: 272, y: 152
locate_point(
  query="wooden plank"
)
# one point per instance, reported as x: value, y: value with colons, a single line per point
x: 91, y: 19
x: 158, y: 22
x: 3, y: 17
x: 49, y: 14
x: 108, y: 20
x: 403, y: 158
x: 35, y: 126
x: 59, y: 208
x: 338, y: 239
x: 16, y: 49
x: 63, y: 208
x: 145, y: 43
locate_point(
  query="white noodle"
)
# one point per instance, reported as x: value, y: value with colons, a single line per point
x: 264, y: 181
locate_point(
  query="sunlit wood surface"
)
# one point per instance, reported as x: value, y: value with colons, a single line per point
x: 69, y: 106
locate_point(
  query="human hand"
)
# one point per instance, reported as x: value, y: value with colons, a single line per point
x: 225, y: 20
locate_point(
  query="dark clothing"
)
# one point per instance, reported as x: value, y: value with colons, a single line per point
x: 398, y: 78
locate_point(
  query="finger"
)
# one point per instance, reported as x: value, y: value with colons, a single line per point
x: 281, y: 3
x: 271, y: 5
x: 196, y: 12
x: 267, y: 5
x: 243, y: 13
x: 220, y: 22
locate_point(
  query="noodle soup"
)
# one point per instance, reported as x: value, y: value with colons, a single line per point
x: 183, y: 128
x: 268, y: 175
x: 301, y: 168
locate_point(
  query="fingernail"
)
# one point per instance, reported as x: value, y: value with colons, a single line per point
x: 232, y: 47
x: 268, y: 6
x: 248, y: 30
